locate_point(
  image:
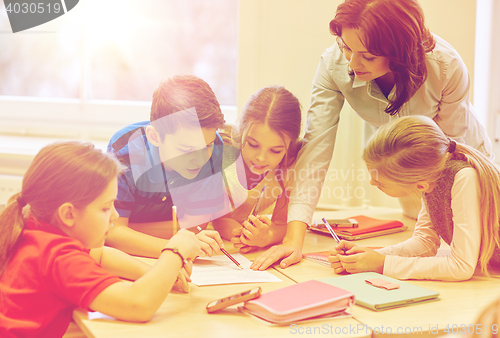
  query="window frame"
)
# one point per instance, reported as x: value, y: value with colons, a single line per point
x: 75, y: 118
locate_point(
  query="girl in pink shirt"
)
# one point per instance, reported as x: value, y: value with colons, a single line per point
x: 53, y: 260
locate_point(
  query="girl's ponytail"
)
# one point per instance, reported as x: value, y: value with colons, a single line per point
x: 11, y: 226
x: 489, y: 200
x: 71, y: 171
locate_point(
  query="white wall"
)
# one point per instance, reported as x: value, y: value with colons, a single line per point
x: 281, y: 42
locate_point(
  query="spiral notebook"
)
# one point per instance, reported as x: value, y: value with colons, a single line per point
x: 318, y: 257
x: 321, y: 257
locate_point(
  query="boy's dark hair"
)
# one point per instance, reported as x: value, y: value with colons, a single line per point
x: 182, y: 92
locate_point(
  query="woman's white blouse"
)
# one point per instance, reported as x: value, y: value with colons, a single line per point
x: 444, y: 97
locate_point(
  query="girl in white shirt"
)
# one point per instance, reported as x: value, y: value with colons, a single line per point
x: 460, y: 198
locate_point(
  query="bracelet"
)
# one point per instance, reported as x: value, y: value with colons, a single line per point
x: 175, y: 251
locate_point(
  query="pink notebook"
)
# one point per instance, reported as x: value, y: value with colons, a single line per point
x: 300, y: 301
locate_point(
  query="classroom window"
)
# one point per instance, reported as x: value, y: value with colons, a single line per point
x: 113, y: 54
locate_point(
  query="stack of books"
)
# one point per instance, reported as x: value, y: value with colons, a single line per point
x: 367, y: 227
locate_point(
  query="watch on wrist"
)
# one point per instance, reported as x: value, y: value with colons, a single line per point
x: 176, y: 251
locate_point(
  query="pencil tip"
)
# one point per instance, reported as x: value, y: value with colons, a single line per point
x: 239, y: 266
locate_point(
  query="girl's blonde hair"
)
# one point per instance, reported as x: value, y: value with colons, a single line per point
x: 74, y: 172
x: 414, y: 148
x: 489, y: 320
x: 277, y: 108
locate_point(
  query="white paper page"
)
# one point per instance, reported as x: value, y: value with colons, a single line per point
x: 221, y: 270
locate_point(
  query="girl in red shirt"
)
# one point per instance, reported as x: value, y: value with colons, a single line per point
x: 53, y: 260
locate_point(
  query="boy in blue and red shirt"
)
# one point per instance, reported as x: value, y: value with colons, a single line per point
x: 173, y: 159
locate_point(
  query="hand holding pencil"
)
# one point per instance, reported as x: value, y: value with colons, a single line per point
x: 254, y: 232
x: 211, y: 242
x: 228, y: 255
x: 351, y: 258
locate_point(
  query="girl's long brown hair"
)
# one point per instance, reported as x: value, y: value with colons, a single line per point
x: 413, y: 148
x: 396, y: 30
x: 74, y: 172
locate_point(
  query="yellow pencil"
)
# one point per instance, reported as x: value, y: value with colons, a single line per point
x: 228, y: 255
x: 175, y: 221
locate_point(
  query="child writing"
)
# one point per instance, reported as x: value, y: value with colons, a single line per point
x: 460, y: 194
x: 173, y: 159
x: 265, y: 145
x: 53, y: 260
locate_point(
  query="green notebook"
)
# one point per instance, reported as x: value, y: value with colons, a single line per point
x: 379, y: 299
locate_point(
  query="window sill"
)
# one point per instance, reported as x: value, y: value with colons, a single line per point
x: 17, y: 152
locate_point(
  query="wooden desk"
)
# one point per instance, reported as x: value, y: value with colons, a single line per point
x: 460, y: 302
x: 184, y: 315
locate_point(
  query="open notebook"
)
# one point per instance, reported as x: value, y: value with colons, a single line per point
x: 377, y: 298
x: 367, y: 227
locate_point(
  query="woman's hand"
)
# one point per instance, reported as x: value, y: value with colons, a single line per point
x: 290, y: 253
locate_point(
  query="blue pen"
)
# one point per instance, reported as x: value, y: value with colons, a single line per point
x: 334, y: 235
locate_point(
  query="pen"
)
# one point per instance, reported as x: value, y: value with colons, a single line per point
x: 231, y: 258
x: 257, y: 204
x: 334, y: 235
x: 225, y: 252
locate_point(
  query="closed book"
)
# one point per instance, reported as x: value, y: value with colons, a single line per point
x: 378, y: 299
x: 367, y: 227
x: 299, y: 302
